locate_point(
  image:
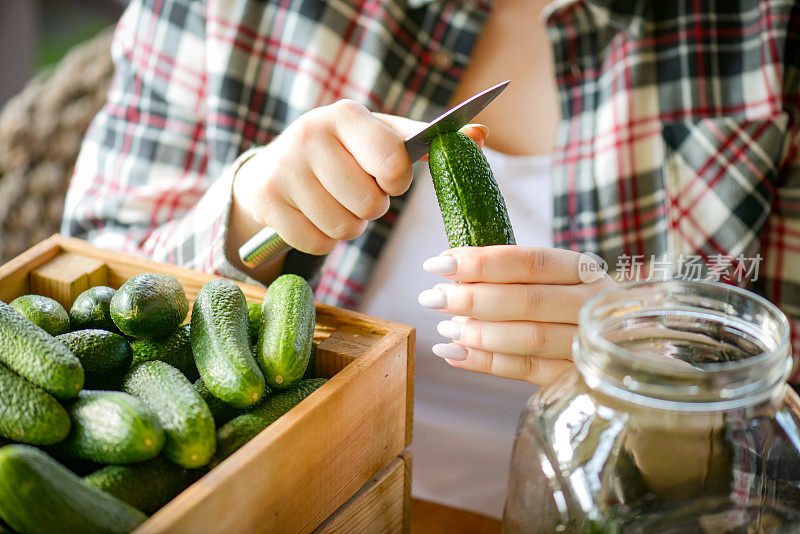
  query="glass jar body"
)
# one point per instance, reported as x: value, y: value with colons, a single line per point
x: 586, y: 462
x: 676, y: 418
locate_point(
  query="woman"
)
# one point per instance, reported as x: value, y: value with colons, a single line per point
x: 678, y: 134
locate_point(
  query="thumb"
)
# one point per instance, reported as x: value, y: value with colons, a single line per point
x: 408, y: 127
x: 477, y: 132
x: 403, y: 126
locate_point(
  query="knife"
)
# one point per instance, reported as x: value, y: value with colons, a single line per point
x: 267, y: 244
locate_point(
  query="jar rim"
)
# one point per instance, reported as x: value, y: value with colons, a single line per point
x: 597, y: 338
x: 771, y: 357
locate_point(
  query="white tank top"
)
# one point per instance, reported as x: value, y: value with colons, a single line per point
x: 464, y: 422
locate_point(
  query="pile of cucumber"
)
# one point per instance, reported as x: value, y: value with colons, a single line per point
x: 109, y: 411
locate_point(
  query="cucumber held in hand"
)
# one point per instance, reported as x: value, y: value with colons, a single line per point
x: 39, y: 495
x: 28, y: 413
x: 112, y: 428
x: 238, y: 431
x: 184, y: 415
x: 175, y: 349
x: 146, y: 486
x: 44, y: 312
x: 473, y: 209
x: 221, y: 344
x: 149, y: 305
x: 287, y: 330
x: 105, y: 356
x: 37, y: 356
x: 92, y: 309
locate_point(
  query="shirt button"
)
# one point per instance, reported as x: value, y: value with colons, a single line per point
x: 442, y: 60
x: 575, y: 70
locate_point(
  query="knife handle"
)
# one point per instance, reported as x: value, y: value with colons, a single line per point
x: 263, y: 247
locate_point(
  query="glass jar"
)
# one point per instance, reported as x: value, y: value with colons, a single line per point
x: 676, y: 418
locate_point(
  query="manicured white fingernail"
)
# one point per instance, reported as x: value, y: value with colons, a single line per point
x: 451, y: 351
x: 440, y: 265
x: 449, y: 329
x: 433, y: 298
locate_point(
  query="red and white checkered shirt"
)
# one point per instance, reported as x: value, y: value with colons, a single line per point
x: 680, y: 131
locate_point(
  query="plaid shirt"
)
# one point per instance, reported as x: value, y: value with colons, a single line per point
x: 680, y: 130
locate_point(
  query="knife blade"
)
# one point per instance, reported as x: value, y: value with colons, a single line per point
x: 267, y: 244
x: 451, y: 120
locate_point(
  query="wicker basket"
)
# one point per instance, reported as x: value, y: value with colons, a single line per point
x: 41, y: 130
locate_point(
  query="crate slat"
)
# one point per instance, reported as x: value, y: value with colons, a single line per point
x: 15, y: 274
x: 380, y: 507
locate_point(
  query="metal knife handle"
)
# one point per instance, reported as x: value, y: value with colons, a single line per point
x: 263, y: 247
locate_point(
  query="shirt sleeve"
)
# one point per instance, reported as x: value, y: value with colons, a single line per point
x: 780, y: 250
x: 141, y: 182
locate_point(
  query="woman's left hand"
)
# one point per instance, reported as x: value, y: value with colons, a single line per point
x: 516, y: 308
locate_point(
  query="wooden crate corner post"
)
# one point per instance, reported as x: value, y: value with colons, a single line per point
x: 66, y: 276
x: 337, y: 350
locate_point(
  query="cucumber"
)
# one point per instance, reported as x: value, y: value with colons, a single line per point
x: 221, y: 344
x: 287, y: 331
x: 37, y: 356
x: 146, y: 486
x: 149, y: 305
x: 472, y: 207
x: 184, y: 415
x: 105, y: 356
x: 254, y: 318
x: 28, y: 413
x: 92, y: 309
x: 175, y: 349
x: 238, y: 431
x: 222, y: 411
x: 38, y: 495
x: 112, y: 428
x: 43, y: 312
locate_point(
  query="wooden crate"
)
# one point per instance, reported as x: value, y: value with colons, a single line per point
x: 337, y: 451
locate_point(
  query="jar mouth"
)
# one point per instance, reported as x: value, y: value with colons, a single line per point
x: 695, y: 345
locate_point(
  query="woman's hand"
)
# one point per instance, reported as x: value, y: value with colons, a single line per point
x: 516, y: 309
x: 325, y: 176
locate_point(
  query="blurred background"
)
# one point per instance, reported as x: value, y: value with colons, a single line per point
x: 36, y: 34
x: 55, y: 69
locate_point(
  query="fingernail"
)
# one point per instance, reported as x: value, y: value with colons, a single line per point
x: 449, y: 329
x: 433, y: 298
x: 440, y: 265
x: 482, y: 127
x: 451, y: 351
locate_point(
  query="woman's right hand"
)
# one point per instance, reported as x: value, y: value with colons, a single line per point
x: 329, y: 173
